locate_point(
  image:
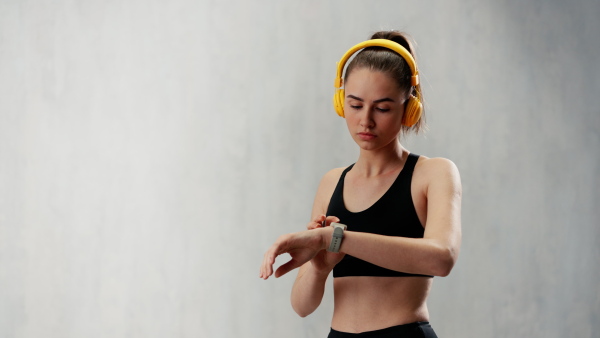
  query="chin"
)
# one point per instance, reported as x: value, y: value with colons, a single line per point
x: 368, y: 145
x: 373, y: 144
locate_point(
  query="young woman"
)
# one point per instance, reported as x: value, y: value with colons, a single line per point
x: 401, y: 210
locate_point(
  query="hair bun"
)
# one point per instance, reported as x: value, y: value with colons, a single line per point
x: 398, y: 37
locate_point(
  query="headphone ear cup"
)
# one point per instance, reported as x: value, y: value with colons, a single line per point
x: 412, y: 112
x: 338, y: 102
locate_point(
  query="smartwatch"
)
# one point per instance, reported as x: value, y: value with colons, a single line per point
x: 336, y: 239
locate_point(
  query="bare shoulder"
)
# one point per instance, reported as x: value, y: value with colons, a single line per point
x: 438, y: 170
x: 325, y: 190
x: 330, y: 179
x: 436, y: 165
x: 333, y: 175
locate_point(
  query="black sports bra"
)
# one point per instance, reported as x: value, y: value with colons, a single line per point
x: 393, y: 214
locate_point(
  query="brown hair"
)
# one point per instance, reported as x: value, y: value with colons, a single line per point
x: 389, y: 62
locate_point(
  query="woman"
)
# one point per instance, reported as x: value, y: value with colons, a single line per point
x: 402, y: 211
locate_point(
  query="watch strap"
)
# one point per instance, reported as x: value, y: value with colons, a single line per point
x: 336, y: 239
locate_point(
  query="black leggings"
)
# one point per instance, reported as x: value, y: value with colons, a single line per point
x: 412, y: 330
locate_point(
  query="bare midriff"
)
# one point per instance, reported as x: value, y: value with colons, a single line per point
x: 373, y: 303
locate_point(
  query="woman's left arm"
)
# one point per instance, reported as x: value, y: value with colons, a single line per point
x: 434, y: 254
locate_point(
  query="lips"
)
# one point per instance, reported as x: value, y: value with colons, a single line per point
x: 366, y: 136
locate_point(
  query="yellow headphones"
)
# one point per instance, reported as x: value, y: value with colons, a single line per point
x: 414, y: 107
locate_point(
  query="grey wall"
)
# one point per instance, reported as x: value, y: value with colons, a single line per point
x: 151, y: 151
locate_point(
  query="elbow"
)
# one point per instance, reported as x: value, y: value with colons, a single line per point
x: 443, y: 270
x: 445, y: 262
x: 302, y: 315
x: 301, y: 312
x: 302, y: 308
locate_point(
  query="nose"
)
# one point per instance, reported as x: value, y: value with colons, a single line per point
x: 366, y: 118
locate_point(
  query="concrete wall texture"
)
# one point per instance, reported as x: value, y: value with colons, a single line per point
x: 151, y: 151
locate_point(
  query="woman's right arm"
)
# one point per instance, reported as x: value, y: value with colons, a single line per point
x: 309, y: 286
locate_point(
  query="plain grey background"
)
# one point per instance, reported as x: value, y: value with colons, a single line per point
x: 151, y: 151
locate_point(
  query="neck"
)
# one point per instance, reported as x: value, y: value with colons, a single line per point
x: 381, y: 161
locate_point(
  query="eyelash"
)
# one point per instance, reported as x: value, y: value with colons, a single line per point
x: 382, y: 110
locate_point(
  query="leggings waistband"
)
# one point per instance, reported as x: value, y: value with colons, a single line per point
x: 416, y: 329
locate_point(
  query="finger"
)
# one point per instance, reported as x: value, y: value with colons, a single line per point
x: 287, y: 267
x: 313, y: 225
x: 332, y: 219
x: 319, y: 218
x: 316, y: 222
x: 263, y: 268
x: 268, y: 261
x: 267, y: 269
x: 260, y: 272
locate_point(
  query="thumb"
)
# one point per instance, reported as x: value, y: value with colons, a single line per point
x: 285, y: 268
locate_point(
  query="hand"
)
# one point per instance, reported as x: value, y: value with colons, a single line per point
x: 324, y: 261
x: 302, y: 246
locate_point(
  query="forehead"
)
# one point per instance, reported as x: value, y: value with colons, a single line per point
x: 367, y: 81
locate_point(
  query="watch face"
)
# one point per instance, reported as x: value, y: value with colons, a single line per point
x: 339, y: 225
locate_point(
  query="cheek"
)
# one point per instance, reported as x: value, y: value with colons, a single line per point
x: 392, y: 122
x: 349, y: 122
x: 350, y: 118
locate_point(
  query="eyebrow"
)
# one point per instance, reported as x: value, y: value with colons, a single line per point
x: 385, y: 99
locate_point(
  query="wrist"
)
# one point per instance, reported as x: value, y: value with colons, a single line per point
x: 337, y: 237
x: 326, y: 235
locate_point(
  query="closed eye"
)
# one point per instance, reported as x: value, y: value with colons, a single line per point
x: 382, y: 110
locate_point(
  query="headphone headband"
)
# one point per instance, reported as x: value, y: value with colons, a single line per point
x: 389, y: 44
